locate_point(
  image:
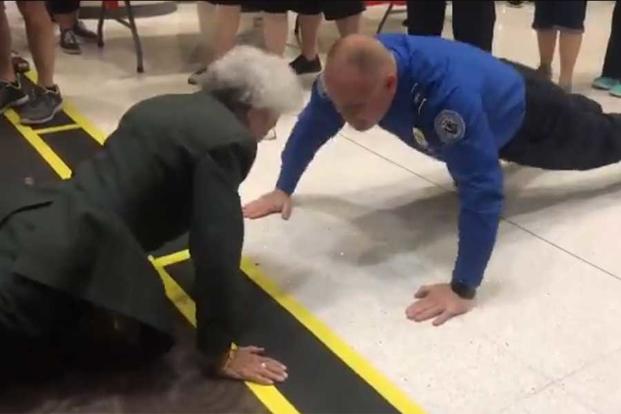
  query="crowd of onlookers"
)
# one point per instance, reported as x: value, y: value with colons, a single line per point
x: 473, y: 22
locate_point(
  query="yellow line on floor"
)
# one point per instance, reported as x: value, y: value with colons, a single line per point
x: 357, y: 363
x: 268, y: 395
x: 59, y: 128
x: 39, y: 145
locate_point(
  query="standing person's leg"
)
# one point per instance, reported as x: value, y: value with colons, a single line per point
x: 425, y: 18
x: 546, y: 36
x: 309, y: 15
x: 611, y: 71
x: 347, y: 15
x: 563, y: 131
x: 11, y: 92
x: 65, y: 13
x: 47, y: 100
x: 473, y: 23
x: 275, y: 28
x: 571, y: 16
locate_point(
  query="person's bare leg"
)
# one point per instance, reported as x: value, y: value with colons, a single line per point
x: 349, y: 25
x: 547, y: 46
x: 41, y: 41
x: 309, y: 29
x: 6, y: 63
x: 275, y: 28
x: 569, y: 48
x: 66, y: 21
x: 227, y: 21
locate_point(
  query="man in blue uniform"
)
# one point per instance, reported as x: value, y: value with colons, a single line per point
x: 459, y: 105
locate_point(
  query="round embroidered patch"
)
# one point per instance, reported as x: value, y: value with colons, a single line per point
x: 420, y: 139
x: 450, y: 126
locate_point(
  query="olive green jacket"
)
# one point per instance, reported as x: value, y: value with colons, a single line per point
x: 173, y: 165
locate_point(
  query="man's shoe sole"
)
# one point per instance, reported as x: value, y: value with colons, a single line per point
x: 13, y: 104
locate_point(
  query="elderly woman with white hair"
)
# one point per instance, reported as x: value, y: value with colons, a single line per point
x: 74, y: 267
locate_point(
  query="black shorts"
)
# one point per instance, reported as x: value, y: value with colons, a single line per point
x: 332, y: 10
x: 562, y: 15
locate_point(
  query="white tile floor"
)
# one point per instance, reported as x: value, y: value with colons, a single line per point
x: 545, y: 337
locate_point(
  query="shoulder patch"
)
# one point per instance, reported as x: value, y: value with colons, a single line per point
x: 321, y: 87
x: 449, y: 126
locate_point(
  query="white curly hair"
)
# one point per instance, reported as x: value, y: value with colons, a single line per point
x: 255, y: 79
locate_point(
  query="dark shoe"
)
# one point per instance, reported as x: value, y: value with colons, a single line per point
x: 69, y: 43
x: 43, y: 105
x: 80, y: 30
x: 195, y: 78
x: 516, y: 3
x: 11, y: 95
x: 303, y: 66
x: 20, y: 65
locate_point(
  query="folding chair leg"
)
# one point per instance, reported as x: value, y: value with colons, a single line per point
x: 388, y: 11
x: 102, y: 17
x: 134, y: 29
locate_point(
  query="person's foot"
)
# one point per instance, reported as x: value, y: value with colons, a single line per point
x: 69, y: 42
x: 80, y: 30
x: 605, y: 83
x: 567, y: 87
x: 515, y: 3
x: 303, y: 66
x: 20, y: 65
x: 11, y: 95
x: 42, y: 106
x: 195, y: 78
x: 616, y: 90
x: 545, y: 71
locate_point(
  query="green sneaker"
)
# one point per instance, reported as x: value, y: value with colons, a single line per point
x: 605, y: 83
x: 616, y: 90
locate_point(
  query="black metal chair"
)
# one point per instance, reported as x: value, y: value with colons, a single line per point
x: 130, y: 23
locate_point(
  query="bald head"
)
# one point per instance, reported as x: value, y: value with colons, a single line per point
x: 361, y: 80
x: 362, y: 53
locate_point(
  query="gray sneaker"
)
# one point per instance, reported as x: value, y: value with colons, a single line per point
x: 43, y: 105
x: 11, y: 95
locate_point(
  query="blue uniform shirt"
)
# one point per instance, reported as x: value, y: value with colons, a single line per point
x: 453, y: 102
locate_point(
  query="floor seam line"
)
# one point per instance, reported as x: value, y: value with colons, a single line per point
x: 503, y: 218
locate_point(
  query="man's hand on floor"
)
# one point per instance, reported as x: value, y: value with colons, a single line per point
x: 439, y: 302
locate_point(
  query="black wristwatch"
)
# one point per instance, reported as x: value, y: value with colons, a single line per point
x: 463, y: 291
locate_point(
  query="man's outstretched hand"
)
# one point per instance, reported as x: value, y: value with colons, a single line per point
x: 271, y: 203
x: 439, y: 302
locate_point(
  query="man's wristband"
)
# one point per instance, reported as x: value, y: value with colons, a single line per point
x: 463, y: 291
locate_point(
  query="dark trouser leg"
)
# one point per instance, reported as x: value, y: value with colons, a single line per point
x: 473, y: 23
x: 563, y: 131
x: 612, y: 63
x: 425, y: 18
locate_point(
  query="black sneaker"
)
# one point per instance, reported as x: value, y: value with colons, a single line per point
x: 82, y: 31
x: 43, y: 105
x: 303, y: 66
x: 69, y: 43
x: 11, y: 95
x: 195, y: 78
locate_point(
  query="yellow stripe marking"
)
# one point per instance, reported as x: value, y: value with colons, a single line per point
x: 59, y: 128
x: 44, y: 150
x: 357, y: 363
x: 268, y: 395
x: 96, y: 133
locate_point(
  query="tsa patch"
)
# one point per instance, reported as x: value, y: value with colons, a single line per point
x: 420, y: 139
x: 321, y: 87
x: 450, y: 126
